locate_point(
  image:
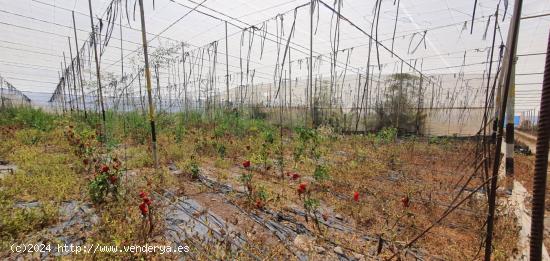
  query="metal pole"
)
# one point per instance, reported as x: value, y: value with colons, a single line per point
x: 511, y: 52
x: 509, y: 162
x: 62, y: 85
x: 98, y: 73
x: 499, y: 89
x: 541, y: 166
x: 184, y: 78
x: 226, y: 66
x: 73, y: 73
x: 418, y: 105
x: 79, y: 69
x: 312, y: 6
x: 121, y: 50
x: 289, y: 88
x: 486, y: 142
x: 68, y: 83
x: 2, y: 93
x: 148, y: 82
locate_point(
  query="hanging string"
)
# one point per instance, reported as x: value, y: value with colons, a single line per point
x: 278, y: 32
x: 486, y: 28
x: 422, y: 40
x: 395, y: 25
x: 251, y: 35
x: 263, y: 35
x: 464, y: 28
x: 505, y: 9
x: 349, y: 51
x: 286, y: 51
x: 316, y: 6
x: 334, y: 43
x: 215, y: 61
x: 112, y: 12
x: 241, y: 64
x: 376, y: 34
x: 473, y: 16
x: 135, y: 2
x: 127, y: 15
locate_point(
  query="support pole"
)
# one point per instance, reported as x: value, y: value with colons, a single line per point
x: 148, y: 83
x: 541, y: 166
x: 226, y: 66
x: 79, y: 69
x: 419, y: 103
x: 511, y: 53
x: 184, y: 79
x: 98, y: 73
x: 62, y: 85
x: 289, y: 88
x: 510, y: 113
x: 487, y: 142
x: 67, y: 82
x: 2, y: 93
x: 73, y: 73
x: 312, y: 9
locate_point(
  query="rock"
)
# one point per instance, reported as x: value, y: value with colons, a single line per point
x: 359, y: 257
x: 31, y: 204
x: 172, y: 167
x: 341, y: 153
x: 87, y: 209
x: 339, y: 217
x: 177, y: 172
x: 94, y: 219
x: 320, y: 250
x: 301, y: 229
x: 394, y: 175
x: 303, y: 242
x: 338, y: 250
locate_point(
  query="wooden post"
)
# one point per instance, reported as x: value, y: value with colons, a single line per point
x: 148, y: 82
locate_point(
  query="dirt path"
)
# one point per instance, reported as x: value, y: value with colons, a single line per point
x: 529, y: 140
x: 517, y: 201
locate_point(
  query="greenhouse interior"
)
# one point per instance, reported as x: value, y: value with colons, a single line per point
x: 274, y: 130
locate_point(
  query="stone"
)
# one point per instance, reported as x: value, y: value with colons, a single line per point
x: 303, y: 242
x: 338, y: 250
x: 177, y: 172
x: 94, y: 219
x: 359, y: 257
x: 320, y: 250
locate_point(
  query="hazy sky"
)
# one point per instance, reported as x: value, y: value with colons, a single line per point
x: 34, y: 36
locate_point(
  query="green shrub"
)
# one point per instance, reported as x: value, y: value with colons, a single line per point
x: 28, y: 117
x: 15, y: 221
x: 386, y: 135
